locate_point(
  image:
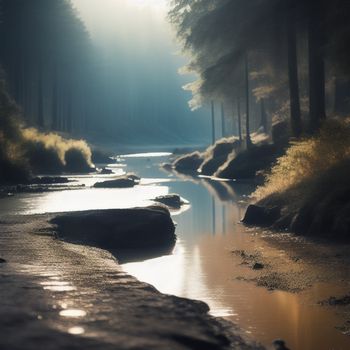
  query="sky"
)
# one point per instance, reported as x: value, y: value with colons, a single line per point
x: 141, y: 60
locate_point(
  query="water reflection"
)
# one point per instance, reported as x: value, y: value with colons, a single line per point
x: 76, y: 330
x: 146, y: 155
x: 202, y: 265
x: 153, y: 184
x: 60, y: 288
x: 205, y: 269
x: 73, y: 313
x: 84, y: 199
x: 136, y: 255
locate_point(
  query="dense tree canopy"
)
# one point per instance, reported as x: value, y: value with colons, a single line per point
x: 47, y: 55
x: 296, y: 53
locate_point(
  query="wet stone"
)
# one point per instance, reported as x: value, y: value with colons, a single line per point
x: 279, y: 344
x: 258, y: 266
x: 171, y: 200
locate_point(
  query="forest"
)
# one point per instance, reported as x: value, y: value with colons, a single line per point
x: 283, y: 71
x: 175, y: 174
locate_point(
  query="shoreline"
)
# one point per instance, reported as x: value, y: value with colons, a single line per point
x: 55, y: 276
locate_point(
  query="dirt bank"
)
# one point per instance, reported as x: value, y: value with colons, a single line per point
x: 58, y: 295
x: 297, y: 265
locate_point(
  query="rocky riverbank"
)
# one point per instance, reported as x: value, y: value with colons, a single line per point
x: 58, y: 295
x: 319, y: 206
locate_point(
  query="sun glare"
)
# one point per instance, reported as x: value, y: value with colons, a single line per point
x: 158, y: 3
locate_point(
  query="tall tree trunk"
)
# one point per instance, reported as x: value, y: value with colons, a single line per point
x: 316, y: 70
x: 341, y: 94
x: 263, y: 122
x: 212, y: 122
x: 223, y: 128
x: 69, y: 115
x: 295, y: 113
x: 40, y: 98
x: 239, y: 119
x: 55, y: 102
x: 248, y: 139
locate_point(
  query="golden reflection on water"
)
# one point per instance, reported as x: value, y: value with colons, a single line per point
x: 205, y: 269
x: 72, y: 313
x: 76, y: 330
x: 87, y: 199
x: 54, y: 283
x: 56, y: 288
x: 203, y: 266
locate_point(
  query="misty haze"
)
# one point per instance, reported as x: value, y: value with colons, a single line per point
x: 174, y: 174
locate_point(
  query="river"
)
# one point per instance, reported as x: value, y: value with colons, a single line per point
x: 203, y: 265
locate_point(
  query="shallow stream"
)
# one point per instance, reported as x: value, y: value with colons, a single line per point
x: 203, y: 265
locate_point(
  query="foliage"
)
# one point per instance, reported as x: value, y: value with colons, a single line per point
x: 24, y: 151
x: 47, y: 55
x: 309, y: 158
x: 58, y: 143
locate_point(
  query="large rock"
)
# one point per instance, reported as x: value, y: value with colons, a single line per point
x: 106, y: 171
x: 137, y: 228
x: 217, y: 155
x: 326, y: 214
x: 125, y: 181
x: 188, y: 163
x: 121, y: 312
x: 117, y: 183
x: 261, y: 216
x: 49, y: 180
x: 247, y: 163
x: 318, y: 206
x: 171, y: 200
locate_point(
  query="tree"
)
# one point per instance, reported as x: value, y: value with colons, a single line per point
x: 316, y: 42
x: 295, y: 113
x: 49, y: 50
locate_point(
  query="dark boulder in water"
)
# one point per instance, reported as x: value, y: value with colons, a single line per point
x: 167, y: 166
x: 247, y: 163
x: 2, y: 261
x: 49, y: 180
x: 113, y: 229
x: 106, y: 171
x: 279, y: 344
x: 171, y: 200
x: 217, y: 155
x: 125, y: 181
x: 261, y: 216
x: 117, y: 183
x: 188, y: 163
x: 133, y: 176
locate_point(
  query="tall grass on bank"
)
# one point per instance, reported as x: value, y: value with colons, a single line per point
x: 308, y: 159
x: 52, y: 153
x: 25, y: 152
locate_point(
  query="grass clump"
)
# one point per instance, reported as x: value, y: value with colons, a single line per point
x: 25, y: 152
x: 307, y: 160
x: 50, y: 153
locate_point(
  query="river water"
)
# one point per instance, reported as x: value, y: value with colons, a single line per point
x: 202, y: 265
